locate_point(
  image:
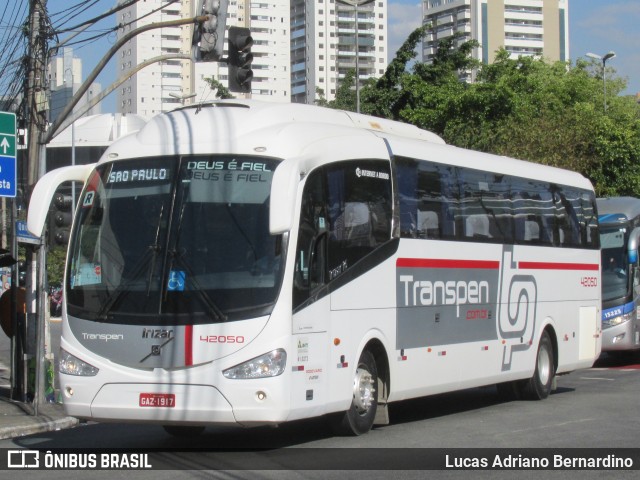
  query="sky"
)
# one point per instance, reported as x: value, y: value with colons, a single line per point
x: 595, y: 26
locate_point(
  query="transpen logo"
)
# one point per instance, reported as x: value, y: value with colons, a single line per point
x: 445, y: 301
x: 516, y: 308
x: 452, y: 292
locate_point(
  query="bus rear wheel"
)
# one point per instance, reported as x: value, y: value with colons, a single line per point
x: 358, y: 420
x: 538, y: 387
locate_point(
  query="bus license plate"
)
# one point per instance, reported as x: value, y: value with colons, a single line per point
x: 166, y: 400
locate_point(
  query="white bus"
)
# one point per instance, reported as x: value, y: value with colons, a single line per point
x: 619, y: 219
x: 249, y: 264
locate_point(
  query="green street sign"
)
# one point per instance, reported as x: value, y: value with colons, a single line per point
x: 8, y: 176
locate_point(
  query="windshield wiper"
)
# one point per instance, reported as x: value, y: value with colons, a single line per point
x: 155, y: 248
x: 125, y: 287
x: 212, y: 308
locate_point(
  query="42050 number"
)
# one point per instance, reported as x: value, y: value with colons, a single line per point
x: 222, y: 338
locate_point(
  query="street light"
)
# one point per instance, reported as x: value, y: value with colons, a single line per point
x: 603, y: 59
x: 183, y: 97
x: 73, y: 140
x: 355, y: 4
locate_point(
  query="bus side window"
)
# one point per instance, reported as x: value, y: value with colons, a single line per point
x: 406, y: 174
x: 360, y: 213
x: 311, y: 244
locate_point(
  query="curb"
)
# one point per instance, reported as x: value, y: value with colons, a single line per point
x: 17, y: 419
x: 40, y: 427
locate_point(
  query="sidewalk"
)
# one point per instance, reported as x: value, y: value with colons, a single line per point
x: 17, y: 419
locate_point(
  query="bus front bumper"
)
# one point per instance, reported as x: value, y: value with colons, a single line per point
x: 625, y: 336
x: 171, y: 403
x: 154, y: 403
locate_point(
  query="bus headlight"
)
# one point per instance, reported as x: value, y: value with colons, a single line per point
x: 619, y: 320
x: 268, y: 365
x: 72, y: 365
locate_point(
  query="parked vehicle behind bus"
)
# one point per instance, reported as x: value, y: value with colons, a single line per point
x: 619, y: 237
x: 244, y: 263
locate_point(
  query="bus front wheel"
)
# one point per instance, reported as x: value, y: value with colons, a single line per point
x: 359, y: 418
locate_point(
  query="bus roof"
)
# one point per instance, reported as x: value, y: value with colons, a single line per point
x: 284, y: 130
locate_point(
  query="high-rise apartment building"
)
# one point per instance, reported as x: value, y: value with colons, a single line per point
x: 324, y: 45
x: 522, y: 27
x: 164, y: 85
x: 65, y: 78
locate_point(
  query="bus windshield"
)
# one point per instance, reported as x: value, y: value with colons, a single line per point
x: 175, y: 240
x: 615, y: 266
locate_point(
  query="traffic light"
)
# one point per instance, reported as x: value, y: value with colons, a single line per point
x: 6, y: 259
x: 240, y: 59
x: 60, y: 219
x: 207, y: 43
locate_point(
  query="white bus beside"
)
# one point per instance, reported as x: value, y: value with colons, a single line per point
x: 247, y: 264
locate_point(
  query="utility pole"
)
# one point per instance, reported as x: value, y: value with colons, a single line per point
x: 36, y: 117
x: 36, y: 97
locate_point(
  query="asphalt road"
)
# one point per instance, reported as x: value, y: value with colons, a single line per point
x: 596, y: 408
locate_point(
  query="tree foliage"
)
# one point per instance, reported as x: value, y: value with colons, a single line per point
x: 529, y: 108
x: 55, y: 265
x: 222, y: 92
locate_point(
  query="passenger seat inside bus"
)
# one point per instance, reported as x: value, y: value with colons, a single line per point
x: 428, y: 224
x: 357, y: 224
x: 477, y: 226
x: 531, y: 231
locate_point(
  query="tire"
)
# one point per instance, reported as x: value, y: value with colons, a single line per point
x: 358, y: 420
x: 539, y: 386
x: 183, y: 431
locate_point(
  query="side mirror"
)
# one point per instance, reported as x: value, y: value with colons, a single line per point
x: 634, y: 242
x: 46, y: 188
x: 284, y: 189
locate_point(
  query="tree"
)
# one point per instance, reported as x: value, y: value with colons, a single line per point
x: 345, y: 98
x: 526, y: 107
x: 321, y: 100
x: 55, y: 265
x: 551, y: 113
x: 222, y: 92
x: 416, y: 95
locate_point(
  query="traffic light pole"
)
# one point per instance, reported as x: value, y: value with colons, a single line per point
x: 81, y: 111
x: 55, y: 127
x: 42, y: 328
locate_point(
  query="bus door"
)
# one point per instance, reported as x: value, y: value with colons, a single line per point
x: 311, y: 302
x: 346, y: 216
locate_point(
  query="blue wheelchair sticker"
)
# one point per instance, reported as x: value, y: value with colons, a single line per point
x: 176, y: 281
